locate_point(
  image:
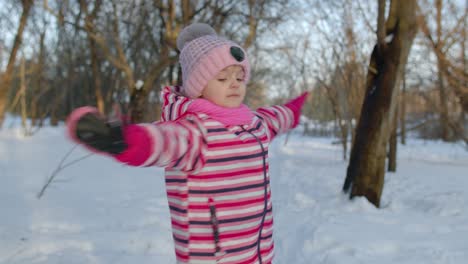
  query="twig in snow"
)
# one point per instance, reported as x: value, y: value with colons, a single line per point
x: 59, y: 168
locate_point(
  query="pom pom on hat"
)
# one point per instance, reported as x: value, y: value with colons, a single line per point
x: 203, y: 54
x: 192, y: 32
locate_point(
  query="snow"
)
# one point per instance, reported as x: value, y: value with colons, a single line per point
x: 139, y: 84
x: 389, y: 38
x: 100, y: 211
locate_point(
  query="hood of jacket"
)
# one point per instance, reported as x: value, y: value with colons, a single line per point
x: 174, y: 104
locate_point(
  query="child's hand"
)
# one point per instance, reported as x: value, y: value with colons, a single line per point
x: 88, y: 127
x: 296, y: 106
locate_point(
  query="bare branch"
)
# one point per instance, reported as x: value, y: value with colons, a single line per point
x: 59, y: 168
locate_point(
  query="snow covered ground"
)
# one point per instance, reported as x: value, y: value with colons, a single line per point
x: 102, y: 212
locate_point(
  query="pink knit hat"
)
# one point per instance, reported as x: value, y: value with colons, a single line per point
x: 203, y: 54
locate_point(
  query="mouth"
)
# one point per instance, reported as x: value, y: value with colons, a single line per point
x: 233, y: 95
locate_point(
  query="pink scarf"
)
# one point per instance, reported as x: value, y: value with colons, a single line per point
x: 241, y: 115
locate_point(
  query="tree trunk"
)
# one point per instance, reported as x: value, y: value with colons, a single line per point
x: 464, y: 83
x: 5, y: 80
x: 24, y: 114
x: 95, y: 60
x: 366, y: 169
x: 95, y: 65
x: 392, y: 149
x: 444, y: 117
x: 344, y: 139
x: 138, y: 105
x: 402, y: 112
x: 38, y: 86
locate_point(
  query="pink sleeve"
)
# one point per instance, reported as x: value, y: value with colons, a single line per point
x: 176, y: 144
x: 278, y: 118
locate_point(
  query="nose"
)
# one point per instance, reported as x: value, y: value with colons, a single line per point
x: 235, y: 83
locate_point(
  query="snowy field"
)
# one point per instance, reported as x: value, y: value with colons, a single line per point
x: 99, y: 211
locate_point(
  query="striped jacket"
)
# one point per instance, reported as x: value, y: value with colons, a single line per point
x: 217, y: 180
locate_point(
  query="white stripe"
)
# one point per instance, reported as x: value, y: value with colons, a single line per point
x: 225, y: 182
x: 202, y: 214
x: 221, y: 137
x: 228, y: 197
x: 212, y: 123
x: 236, y: 227
x: 180, y: 188
x: 207, y: 230
x: 289, y: 116
x: 246, y: 136
x: 180, y: 173
x: 266, y: 230
x: 233, y: 166
x: 179, y: 232
x: 202, y: 261
x: 240, y: 211
x: 281, y: 119
x: 178, y: 202
x: 232, y: 150
x: 185, y: 106
x: 157, y: 139
x: 232, y: 242
x: 169, y: 147
x: 202, y: 246
x: 228, y: 213
x: 194, y: 149
x: 275, y: 123
x: 181, y: 248
x: 286, y: 123
x: 179, y: 218
x: 269, y: 256
x: 266, y: 244
x: 259, y: 133
x: 238, y: 257
x: 175, y: 109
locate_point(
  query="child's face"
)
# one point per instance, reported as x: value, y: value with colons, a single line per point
x: 227, y: 88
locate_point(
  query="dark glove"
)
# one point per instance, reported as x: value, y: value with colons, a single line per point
x: 99, y: 134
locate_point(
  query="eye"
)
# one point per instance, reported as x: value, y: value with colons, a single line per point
x: 222, y: 79
x: 240, y: 79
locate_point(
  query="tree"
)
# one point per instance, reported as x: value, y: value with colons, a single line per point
x: 444, y: 41
x: 366, y: 169
x: 90, y: 18
x: 7, y: 76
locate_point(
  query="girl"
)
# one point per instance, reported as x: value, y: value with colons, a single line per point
x: 214, y: 150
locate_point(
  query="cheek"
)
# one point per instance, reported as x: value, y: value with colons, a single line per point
x: 244, y: 89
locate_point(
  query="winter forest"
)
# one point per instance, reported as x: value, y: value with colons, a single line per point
x: 377, y: 170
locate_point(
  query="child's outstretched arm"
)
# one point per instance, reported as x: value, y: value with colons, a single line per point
x: 281, y: 118
x: 178, y: 144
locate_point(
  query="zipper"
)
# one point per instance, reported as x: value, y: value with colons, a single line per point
x: 265, y: 193
x: 215, y: 227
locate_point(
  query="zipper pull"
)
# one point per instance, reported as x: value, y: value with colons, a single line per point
x: 215, y: 225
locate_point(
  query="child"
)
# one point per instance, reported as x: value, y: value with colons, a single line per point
x: 214, y: 150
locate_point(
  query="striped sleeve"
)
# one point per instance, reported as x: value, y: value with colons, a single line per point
x: 177, y: 144
x: 278, y: 118
x: 174, y: 105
